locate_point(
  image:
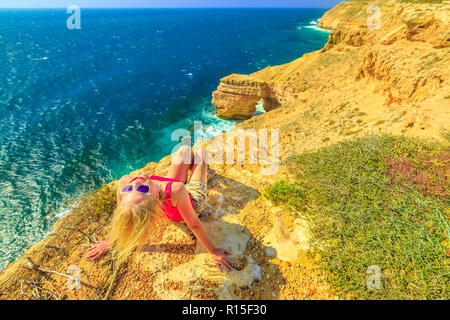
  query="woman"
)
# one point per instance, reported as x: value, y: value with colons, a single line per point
x: 141, y: 200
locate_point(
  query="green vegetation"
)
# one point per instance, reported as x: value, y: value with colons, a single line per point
x: 376, y: 201
x: 349, y: 133
x: 357, y: 10
x: 397, y: 119
x: 445, y: 133
x: 431, y: 62
x: 100, y: 202
x: 343, y: 105
x: 105, y: 200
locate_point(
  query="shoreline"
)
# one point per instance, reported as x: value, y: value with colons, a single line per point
x: 314, y: 26
x: 64, y: 210
x: 119, y: 168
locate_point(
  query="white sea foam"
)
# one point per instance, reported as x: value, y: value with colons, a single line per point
x: 318, y: 29
x: 211, y: 125
x: 36, y: 59
x: 214, y: 126
x: 313, y: 25
x: 260, y: 107
x: 66, y: 210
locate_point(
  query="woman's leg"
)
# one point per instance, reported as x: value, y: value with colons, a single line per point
x: 197, y: 185
x: 182, y: 162
x: 200, y: 167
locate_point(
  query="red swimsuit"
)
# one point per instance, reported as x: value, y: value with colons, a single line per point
x: 172, y: 213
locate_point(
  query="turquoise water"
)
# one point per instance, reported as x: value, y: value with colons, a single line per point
x: 80, y: 108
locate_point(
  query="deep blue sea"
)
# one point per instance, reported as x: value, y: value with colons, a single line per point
x: 80, y: 108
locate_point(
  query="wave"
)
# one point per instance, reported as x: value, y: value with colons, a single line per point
x: 313, y: 25
x: 36, y: 59
x: 259, y: 109
x: 65, y: 210
x: 319, y: 29
x: 212, y: 125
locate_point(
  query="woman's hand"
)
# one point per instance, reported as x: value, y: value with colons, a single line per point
x: 98, y: 250
x: 221, y: 260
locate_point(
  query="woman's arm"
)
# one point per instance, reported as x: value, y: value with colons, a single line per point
x: 181, y: 197
x: 98, y: 250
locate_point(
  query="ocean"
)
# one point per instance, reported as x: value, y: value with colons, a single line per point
x: 81, y: 108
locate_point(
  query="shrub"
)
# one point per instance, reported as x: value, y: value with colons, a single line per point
x: 369, y: 205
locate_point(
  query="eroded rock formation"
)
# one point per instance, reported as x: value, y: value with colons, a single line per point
x: 404, y: 33
x: 237, y: 96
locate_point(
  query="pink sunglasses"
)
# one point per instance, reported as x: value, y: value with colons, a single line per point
x: 141, y: 189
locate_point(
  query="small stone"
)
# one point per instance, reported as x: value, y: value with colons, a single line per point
x: 271, y: 252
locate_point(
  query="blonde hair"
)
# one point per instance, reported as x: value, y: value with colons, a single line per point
x: 130, y: 226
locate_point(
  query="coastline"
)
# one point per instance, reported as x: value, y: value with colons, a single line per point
x: 255, y: 222
x: 98, y: 121
x: 313, y: 25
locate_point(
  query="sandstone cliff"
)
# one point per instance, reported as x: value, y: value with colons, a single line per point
x: 388, y: 80
x: 403, y: 63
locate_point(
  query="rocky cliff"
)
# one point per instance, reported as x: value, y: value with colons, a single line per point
x: 237, y: 96
x: 391, y: 79
x: 359, y: 54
